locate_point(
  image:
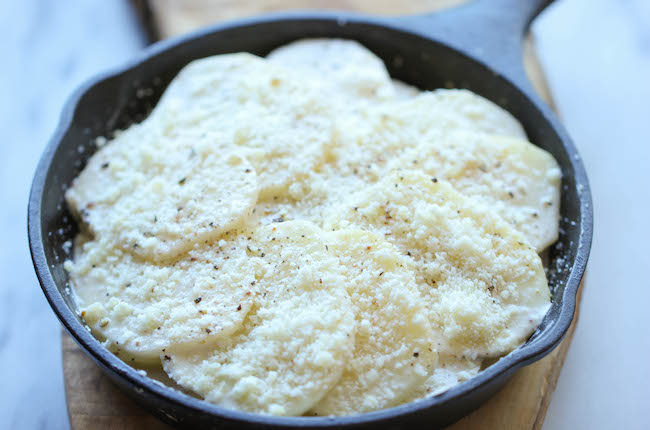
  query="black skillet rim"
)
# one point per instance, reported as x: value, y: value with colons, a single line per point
x: 526, y: 354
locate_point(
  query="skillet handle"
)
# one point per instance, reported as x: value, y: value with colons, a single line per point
x: 490, y: 31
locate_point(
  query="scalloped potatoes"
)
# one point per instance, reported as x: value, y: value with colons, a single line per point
x: 302, y: 235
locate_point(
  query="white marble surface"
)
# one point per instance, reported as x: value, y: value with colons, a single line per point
x: 597, y: 56
x: 48, y: 50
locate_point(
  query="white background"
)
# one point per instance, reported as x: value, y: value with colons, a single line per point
x: 596, y: 54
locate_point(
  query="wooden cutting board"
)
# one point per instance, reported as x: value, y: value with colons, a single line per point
x: 95, y: 403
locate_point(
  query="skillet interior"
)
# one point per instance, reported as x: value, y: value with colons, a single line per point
x: 119, y: 99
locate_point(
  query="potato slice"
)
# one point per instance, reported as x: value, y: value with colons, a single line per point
x: 349, y: 68
x: 520, y: 181
x: 451, y: 371
x: 363, y: 143
x: 393, y: 354
x: 279, y: 119
x: 113, y: 170
x: 295, y: 342
x: 141, y: 309
x: 463, y: 109
x: 483, y: 285
x: 404, y: 91
x: 160, y: 199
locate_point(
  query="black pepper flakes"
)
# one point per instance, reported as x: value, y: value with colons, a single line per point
x: 239, y: 308
x: 197, y: 300
x: 167, y: 357
x: 434, y: 180
x: 105, y: 166
x: 416, y: 354
x: 181, y: 181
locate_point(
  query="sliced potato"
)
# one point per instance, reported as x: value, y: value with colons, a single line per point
x: 294, y: 344
x: 463, y: 109
x: 165, y: 200
x: 520, y: 181
x: 403, y: 90
x: 141, y: 309
x: 350, y: 69
x: 279, y: 119
x: 484, y: 286
x: 451, y: 370
x: 112, y: 171
x: 393, y: 352
x: 363, y: 143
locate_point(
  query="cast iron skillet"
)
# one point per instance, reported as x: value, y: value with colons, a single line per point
x: 477, y: 46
